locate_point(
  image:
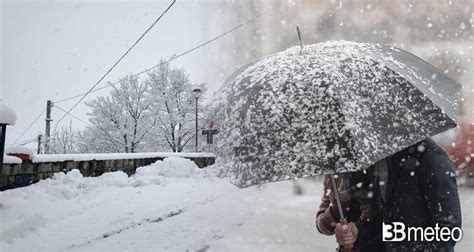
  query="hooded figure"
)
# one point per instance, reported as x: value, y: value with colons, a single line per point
x: 416, y: 186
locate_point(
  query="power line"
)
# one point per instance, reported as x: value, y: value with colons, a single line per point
x: 31, y: 124
x: 115, y: 64
x: 175, y: 57
x: 16, y: 142
x: 29, y: 141
x: 88, y: 124
x: 56, y: 106
x: 24, y: 142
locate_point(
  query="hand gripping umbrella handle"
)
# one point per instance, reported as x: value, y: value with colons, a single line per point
x: 343, y: 220
x: 348, y: 247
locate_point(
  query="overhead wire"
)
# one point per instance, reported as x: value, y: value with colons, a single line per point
x: 86, y: 123
x: 176, y: 56
x: 27, y: 142
x: 72, y: 115
x: 29, y: 126
x: 114, y: 65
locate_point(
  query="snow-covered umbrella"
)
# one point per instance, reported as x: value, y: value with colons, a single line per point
x: 329, y: 107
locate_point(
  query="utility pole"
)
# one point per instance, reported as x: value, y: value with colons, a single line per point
x: 49, y: 104
x: 39, y: 144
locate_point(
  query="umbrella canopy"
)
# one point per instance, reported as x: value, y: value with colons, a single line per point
x: 331, y: 107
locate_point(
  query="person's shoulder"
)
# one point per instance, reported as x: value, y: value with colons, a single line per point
x: 423, y: 148
x: 431, y: 154
x: 429, y: 147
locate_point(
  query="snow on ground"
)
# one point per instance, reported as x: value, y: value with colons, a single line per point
x: 170, y: 205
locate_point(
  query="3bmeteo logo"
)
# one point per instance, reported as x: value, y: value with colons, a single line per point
x: 397, y: 231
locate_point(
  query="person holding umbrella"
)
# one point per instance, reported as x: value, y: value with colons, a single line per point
x: 415, y: 186
x: 359, y: 111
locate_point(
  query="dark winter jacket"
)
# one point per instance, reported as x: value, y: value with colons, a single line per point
x: 421, y: 192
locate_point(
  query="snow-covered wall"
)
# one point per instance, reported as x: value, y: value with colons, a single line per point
x: 116, y: 156
x: 91, y: 165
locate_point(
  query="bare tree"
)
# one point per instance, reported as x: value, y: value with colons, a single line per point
x: 63, y: 141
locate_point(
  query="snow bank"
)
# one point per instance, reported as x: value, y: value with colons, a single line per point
x: 71, y: 184
x: 19, y: 150
x: 70, y: 211
x: 7, y: 115
x: 170, y: 167
x: 112, y: 156
x: 11, y: 160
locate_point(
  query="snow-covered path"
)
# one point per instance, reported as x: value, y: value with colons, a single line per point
x: 268, y: 219
x: 168, y: 210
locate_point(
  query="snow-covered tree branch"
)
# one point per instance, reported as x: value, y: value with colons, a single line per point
x: 63, y: 141
x: 124, y: 118
x: 154, y: 114
x: 172, y: 97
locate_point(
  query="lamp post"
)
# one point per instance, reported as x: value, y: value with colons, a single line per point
x: 197, y: 93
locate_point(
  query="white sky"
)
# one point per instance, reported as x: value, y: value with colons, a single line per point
x: 52, y: 50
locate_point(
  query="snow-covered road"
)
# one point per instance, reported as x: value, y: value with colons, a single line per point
x: 164, y: 208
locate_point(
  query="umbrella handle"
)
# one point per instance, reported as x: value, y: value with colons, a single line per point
x: 348, y: 247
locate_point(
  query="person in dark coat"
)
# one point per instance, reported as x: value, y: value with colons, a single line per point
x: 416, y: 186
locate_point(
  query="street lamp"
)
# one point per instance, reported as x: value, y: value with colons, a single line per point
x: 197, y: 92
